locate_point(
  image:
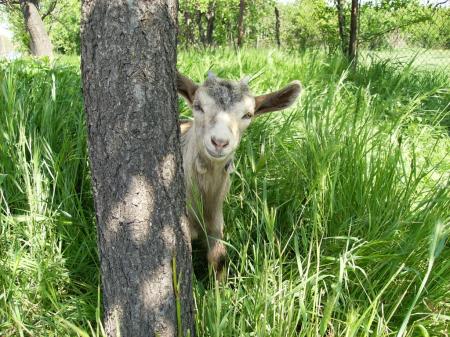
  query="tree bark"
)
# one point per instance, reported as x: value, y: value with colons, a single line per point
x: 129, y: 85
x: 240, y: 37
x: 40, y: 44
x: 341, y: 24
x: 352, y: 47
x: 277, y: 27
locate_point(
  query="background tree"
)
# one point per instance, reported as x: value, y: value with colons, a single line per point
x: 198, y: 21
x: 260, y: 23
x: 277, y: 27
x: 63, y: 25
x: 305, y: 24
x: 129, y: 77
x: 240, y: 35
x: 210, y: 17
x: 309, y: 24
x: 353, y: 40
x: 341, y: 23
x: 38, y: 40
x: 61, y: 20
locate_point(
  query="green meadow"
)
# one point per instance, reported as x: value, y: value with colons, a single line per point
x: 431, y: 59
x: 337, y: 222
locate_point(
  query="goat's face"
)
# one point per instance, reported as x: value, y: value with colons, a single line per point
x: 223, y: 109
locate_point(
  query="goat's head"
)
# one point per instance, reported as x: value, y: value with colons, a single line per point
x: 223, y: 109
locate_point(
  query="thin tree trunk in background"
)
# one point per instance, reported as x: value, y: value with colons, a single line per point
x: 352, y: 47
x: 40, y: 44
x: 240, y: 37
x: 231, y: 39
x: 189, y: 36
x: 129, y: 82
x: 341, y: 24
x: 277, y: 27
x: 210, y: 17
x: 201, y: 31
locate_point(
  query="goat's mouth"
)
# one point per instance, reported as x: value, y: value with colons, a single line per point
x: 214, y: 154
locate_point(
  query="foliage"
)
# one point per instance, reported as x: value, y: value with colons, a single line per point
x: 308, y: 24
x: 304, y: 24
x: 17, y: 26
x: 383, y: 25
x: 337, y: 221
x: 394, y: 24
x: 259, y: 20
x: 312, y: 23
x: 62, y: 24
x: 434, y: 33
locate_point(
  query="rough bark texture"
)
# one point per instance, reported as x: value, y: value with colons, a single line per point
x: 129, y: 79
x: 277, y: 27
x: 240, y: 37
x: 353, y: 31
x: 341, y: 23
x: 40, y: 44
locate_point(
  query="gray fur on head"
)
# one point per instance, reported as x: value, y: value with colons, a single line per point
x: 224, y: 92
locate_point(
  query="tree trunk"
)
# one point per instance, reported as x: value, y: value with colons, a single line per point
x: 277, y: 27
x: 40, y: 44
x: 189, y: 36
x: 341, y: 23
x: 210, y: 16
x: 129, y: 84
x: 201, y: 31
x: 240, y: 36
x: 352, y: 47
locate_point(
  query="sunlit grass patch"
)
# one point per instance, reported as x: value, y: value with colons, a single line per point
x: 421, y: 58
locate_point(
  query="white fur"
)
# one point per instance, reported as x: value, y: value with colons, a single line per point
x: 207, y: 165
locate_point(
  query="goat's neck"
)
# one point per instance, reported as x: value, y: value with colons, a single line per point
x: 205, y: 165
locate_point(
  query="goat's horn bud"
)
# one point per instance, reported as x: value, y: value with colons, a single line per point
x: 246, y: 80
x: 211, y: 75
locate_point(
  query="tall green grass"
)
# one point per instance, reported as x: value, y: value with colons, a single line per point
x: 337, y: 220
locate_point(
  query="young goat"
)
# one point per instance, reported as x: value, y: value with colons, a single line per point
x: 222, y: 111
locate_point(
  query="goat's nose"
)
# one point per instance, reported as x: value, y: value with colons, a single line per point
x: 219, y: 143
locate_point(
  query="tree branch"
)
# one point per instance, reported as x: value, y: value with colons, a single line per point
x: 9, y: 2
x: 50, y: 9
x: 441, y: 3
x: 367, y: 37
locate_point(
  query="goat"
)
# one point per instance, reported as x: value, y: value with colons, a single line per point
x: 222, y: 110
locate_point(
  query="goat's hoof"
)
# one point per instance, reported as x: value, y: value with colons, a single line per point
x: 221, y: 275
x: 221, y: 268
x: 218, y: 264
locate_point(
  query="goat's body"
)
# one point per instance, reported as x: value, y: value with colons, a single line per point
x: 222, y: 110
x: 207, y: 184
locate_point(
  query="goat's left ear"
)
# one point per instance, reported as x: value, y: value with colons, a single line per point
x: 186, y: 87
x: 277, y: 100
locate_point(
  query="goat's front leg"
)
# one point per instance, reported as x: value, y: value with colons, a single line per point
x: 216, y: 249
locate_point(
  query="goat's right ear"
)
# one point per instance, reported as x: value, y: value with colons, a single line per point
x: 186, y: 87
x: 277, y: 100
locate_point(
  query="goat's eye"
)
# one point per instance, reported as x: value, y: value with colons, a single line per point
x: 248, y: 115
x: 198, y: 108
